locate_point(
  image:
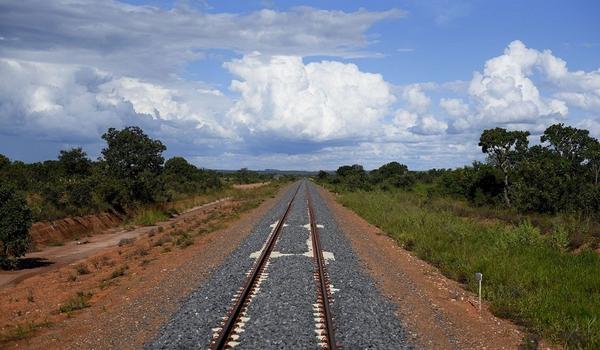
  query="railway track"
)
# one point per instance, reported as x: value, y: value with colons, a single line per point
x: 227, y: 335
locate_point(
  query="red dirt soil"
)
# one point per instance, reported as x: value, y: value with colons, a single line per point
x: 52, y: 258
x: 48, y: 232
x: 135, y: 288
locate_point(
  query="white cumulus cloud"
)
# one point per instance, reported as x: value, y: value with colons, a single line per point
x: 525, y: 88
x: 318, y: 101
x: 504, y: 92
x: 455, y: 107
x: 70, y: 102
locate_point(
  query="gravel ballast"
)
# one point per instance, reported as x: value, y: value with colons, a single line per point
x: 280, y: 314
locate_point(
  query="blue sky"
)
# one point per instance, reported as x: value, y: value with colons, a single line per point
x: 295, y: 84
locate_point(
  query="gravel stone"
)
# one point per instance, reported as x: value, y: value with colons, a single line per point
x: 280, y: 314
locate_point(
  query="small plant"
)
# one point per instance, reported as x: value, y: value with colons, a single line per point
x: 184, y: 241
x: 106, y: 283
x: 149, y: 217
x: 162, y: 240
x: 166, y: 250
x: 126, y: 241
x: 82, y: 269
x: 161, y: 229
x: 72, y: 278
x: 142, y: 251
x: 30, y: 296
x: 119, y: 272
x: 22, y: 331
x: 77, y: 302
x: 99, y: 262
x: 558, y: 238
x: 146, y: 262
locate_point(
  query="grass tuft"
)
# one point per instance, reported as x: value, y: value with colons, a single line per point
x: 22, y: 331
x: 148, y: 216
x: 77, y: 302
x: 82, y: 269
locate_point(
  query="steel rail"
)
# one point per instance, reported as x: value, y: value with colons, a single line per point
x: 226, y: 332
x: 322, y: 283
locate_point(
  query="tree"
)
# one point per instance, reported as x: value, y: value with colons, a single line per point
x: 570, y: 143
x: 180, y: 167
x: 347, y: 170
x: 74, y: 162
x: 15, y: 221
x: 504, y: 149
x: 353, y: 177
x: 322, y: 175
x: 4, y: 161
x: 243, y: 176
x: 592, y: 154
x: 392, y: 169
x: 130, y: 152
x: 135, y: 161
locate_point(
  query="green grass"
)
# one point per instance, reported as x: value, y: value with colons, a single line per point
x: 528, y: 277
x: 148, y: 216
x: 21, y: 331
x: 119, y: 272
x: 77, y: 302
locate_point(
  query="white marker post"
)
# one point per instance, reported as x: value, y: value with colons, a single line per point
x: 479, y: 277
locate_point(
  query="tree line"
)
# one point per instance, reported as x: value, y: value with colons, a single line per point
x: 131, y: 172
x: 560, y: 174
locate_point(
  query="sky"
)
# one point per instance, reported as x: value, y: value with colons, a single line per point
x: 303, y: 85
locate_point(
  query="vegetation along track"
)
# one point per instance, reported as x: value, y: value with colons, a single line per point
x: 227, y: 333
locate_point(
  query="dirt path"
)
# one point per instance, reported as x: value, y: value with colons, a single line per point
x: 52, y: 258
x: 250, y: 186
x: 437, y: 311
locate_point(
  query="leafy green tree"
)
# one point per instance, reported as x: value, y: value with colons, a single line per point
x: 592, y: 154
x: 74, y: 162
x: 4, y: 162
x: 392, y: 169
x: 353, y: 177
x: 570, y: 143
x: 135, y: 160
x: 130, y: 152
x: 15, y: 221
x: 504, y: 149
x: 178, y: 166
x: 243, y: 176
x: 322, y: 175
x: 350, y: 170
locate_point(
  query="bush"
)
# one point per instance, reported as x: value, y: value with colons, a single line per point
x: 77, y: 302
x: 15, y: 221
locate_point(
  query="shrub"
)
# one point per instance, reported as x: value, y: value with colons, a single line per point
x: 15, y: 221
x: 119, y: 272
x: 82, y: 269
x: 126, y: 241
x: 77, y: 302
x: 184, y: 241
